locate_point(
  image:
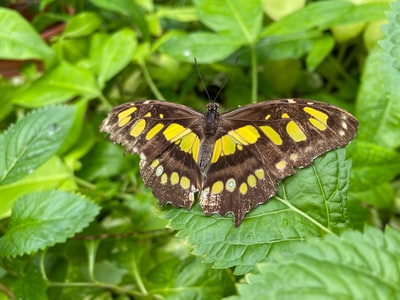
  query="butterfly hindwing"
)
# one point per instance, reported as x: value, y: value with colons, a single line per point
x: 167, y: 137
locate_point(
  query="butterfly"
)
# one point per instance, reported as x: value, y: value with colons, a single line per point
x: 233, y: 160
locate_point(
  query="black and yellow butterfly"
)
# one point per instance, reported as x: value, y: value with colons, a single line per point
x: 233, y: 160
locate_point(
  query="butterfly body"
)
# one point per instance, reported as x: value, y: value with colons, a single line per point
x: 233, y: 160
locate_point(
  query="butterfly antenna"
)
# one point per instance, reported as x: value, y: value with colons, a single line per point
x: 225, y: 81
x: 202, y: 80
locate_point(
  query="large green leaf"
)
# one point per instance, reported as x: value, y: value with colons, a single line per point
x: 353, y: 266
x: 32, y: 141
x: 42, y: 219
x: 309, y: 203
x: 378, y: 103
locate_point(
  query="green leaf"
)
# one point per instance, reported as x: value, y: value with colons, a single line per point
x: 31, y: 285
x: 325, y: 14
x: 372, y: 165
x: 320, y: 50
x: 42, y: 219
x: 206, y: 47
x: 115, y: 54
x: 105, y: 159
x: 239, y: 19
x: 126, y: 8
x: 81, y: 25
x: 309, y: 203
x: 53, y: 174
x: 19, y: 40
x: 189, y: 279
x: 353, y: 266
x: 378, y: 104
x: 59, y: 85
x: 33, y: 140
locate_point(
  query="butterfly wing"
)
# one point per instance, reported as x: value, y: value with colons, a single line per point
x: 258, y: 145
x: 167, y: 137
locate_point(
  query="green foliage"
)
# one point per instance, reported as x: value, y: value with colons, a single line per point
x: 309, y: 203
x: 77, y: 222
x: 351, y: 266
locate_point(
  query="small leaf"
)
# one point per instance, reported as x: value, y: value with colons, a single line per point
x: 311, y: 202
x: 32, y: 141
x: 321, y: 48
x: 19, y: 40
x: 353, y: 266
x: 325, y: 14
x: 116, y: 53
x: 31, y: 285
x: 239, y: 19
x: 59, y: 85
x: 126, y: 8
x: 190, y: 279
x: 42, y: 219
x: 206, y: 47
x: 372, y: 165
x: 81, y: 25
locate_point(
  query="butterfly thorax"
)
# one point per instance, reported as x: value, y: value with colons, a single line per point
x: 212, y: 119
x: 211, y: 124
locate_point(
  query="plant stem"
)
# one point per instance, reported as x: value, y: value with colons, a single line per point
x: 254, y: 74
x: 150, y: 82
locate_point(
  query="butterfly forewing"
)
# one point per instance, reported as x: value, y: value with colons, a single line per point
x: 252, y: 148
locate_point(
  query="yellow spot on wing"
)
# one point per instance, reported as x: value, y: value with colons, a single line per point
x: 217, y: 151
x: 228, y: 145
x: 319, y: 115
x: 272, y: 134
x: 251, y: 181
x: 185, y: 182
x: 230, y: 185
x: 161, y: 116
x: 217, y: 187
x: 174, y: 178
x: 243, y: 188
x: 295, y: 132
x: 155, y: 163
x: 187, y: 142
x: 281, y: 165
x: 249, y: 133
x: 293, y: 157
x: 164, y: 178
x: 237, y: 137
x: 317, y: 124
x: 259, y: 173
x: 148, y: 114
x: 138, y: 128
x: 267, y: 117
x: 195, y: 149
x: 285, y: 116
x: 125, y: 116
x: 153, y: 131
x: 175, y: 131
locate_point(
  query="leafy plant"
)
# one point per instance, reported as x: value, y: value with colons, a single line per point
x: 76, y: 219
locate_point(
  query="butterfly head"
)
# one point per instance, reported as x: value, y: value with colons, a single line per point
x: 212, y: 119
